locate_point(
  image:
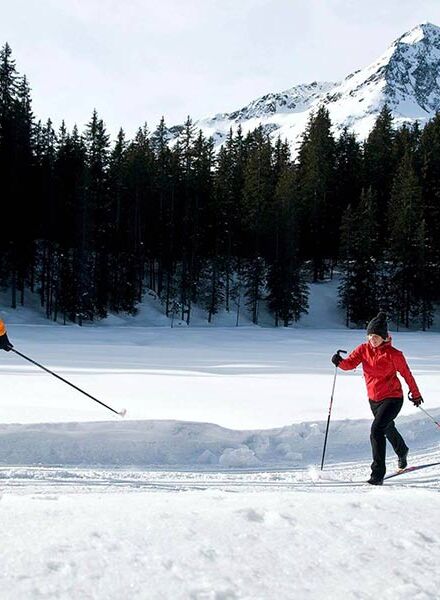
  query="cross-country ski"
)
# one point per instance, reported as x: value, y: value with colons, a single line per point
x: 411, y: 469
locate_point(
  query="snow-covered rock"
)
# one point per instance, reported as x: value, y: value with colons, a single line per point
x: 238, y: 457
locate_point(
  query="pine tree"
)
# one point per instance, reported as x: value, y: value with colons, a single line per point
x: 24, y: 186
x: 254, y: 284
x: 287, y: 288
x: 425, y: 278
x: 188, y: 215
x: 10, y: 172
x: 45, y: 157
x: 8, y: 99
x: 164, y: 191
x: 46, y: 263
x: 258, y: 188
x: 140, y: 178
x: 225, y: 208
x: 123, y: 293
x: 348, y: 183
x: 117, y: 178
x: 379, y: 161
x: 429, y: 156
x: 406, y: 139
x: 73, y: 165
x: 347, y: 291
x: 316, y: 169
x: 97, y: 210
x: 405, y: 217
x: 211, y: 286
x: 360, y: 290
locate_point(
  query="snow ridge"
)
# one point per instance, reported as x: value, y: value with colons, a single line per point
x: 195, y: 445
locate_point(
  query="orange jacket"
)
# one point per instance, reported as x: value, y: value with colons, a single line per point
x: 2, y: 328
x: 380, y: 366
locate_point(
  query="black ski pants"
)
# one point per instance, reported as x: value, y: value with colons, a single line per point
x: 383, y: 429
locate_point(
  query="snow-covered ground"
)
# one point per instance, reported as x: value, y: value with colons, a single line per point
x: 218, y: 545
x: 210, y: 488
x: 241, y: 378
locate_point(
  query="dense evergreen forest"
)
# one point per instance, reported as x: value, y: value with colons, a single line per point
x: 91, y: 225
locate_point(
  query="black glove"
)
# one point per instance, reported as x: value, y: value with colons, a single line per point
x: 336, y: 359
x: 416, y: 401
x: 5, y: 344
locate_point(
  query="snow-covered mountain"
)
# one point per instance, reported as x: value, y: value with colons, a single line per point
x: 406, y: 76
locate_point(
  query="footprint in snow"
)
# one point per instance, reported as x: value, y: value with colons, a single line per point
x: 253, y: 515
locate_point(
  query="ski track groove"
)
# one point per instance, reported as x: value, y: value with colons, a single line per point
x: 342, y: 476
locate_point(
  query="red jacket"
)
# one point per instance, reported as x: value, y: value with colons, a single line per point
x: 380, y: 366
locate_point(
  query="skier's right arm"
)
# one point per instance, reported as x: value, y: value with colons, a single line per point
x: 353, y: 359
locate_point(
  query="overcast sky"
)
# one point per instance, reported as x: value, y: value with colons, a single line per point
x: 135, y: 60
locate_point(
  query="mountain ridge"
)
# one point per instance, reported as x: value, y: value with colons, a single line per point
x: 405, y: 77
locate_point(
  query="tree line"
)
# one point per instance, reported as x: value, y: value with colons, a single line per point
x: 92, y: 225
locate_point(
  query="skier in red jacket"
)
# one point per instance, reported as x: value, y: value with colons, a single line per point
x: 380, y: 362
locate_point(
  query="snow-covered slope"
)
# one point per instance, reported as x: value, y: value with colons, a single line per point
x: 406, y: 76
x: 276, y: 112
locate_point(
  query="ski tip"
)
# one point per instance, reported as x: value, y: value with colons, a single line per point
x: 122, y: 412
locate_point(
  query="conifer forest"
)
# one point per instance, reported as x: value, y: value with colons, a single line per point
x: 92, y: 224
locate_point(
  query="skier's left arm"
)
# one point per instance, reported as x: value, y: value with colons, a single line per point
x: 402, y: 367
x: 351, y: 362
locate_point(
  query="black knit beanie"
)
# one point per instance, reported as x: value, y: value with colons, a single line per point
x: 379, y: 326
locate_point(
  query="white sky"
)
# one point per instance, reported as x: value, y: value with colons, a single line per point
x: 134, y: 60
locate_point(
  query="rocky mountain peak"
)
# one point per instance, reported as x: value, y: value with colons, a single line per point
x: 406, y: 77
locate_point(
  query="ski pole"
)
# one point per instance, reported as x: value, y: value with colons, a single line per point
x: 425, y: 411
x: 430, y: 416
x: 121, y: 413
x: 330, y: 410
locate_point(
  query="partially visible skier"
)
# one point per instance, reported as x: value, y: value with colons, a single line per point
x: 380, y: 362
x: 5, y: 344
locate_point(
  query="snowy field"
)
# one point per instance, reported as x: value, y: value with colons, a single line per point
x: 97, y: 533
x: 242, y: 378
x: 210, y: 489
x: 218, y: 544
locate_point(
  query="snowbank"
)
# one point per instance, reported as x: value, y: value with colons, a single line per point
x: 197, y: 445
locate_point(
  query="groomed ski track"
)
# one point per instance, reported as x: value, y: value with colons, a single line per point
x: 39, y: 479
